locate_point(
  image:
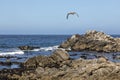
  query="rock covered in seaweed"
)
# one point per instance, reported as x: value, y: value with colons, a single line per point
x: 92, y: 41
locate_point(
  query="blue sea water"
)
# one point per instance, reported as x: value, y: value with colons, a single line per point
x: 13, y: 41
x: 9, y: 48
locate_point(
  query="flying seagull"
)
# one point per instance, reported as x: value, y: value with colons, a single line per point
x: 71, y: 13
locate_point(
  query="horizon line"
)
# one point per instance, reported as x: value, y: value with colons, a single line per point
x: 53, y: 34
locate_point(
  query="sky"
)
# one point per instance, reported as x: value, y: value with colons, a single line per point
x: 49, y: 16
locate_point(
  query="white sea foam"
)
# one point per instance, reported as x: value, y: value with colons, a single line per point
x: 51, y: 48
x: 11, y: 53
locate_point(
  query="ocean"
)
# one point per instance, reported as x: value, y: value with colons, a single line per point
x: 48, y: 43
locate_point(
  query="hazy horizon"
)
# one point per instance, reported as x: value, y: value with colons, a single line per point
x: 28, y: 17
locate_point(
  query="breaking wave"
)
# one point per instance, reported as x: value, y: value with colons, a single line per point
x: 51, y: 48
x: 11, y: 53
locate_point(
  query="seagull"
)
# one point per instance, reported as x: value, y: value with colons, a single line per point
x: 71, y: 13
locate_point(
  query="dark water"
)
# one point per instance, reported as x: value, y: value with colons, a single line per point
x: 9, y: 48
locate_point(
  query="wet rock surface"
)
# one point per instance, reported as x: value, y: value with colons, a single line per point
x: 92, y: 41
x: 58, y: 66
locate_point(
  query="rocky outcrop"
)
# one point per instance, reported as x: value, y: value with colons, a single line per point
x: 54, y: 60
x: 92, y: 41
x: 80, y: 69
x: 27, y: 47
x: 60, y: 55
x: 58, y: 66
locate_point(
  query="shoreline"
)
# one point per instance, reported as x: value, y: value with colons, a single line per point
x: 60, y: 66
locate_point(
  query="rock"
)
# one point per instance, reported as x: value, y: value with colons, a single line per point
x: 92, y: 41
x: 70, y: 42
x: 96, y: 35
x: 27, y: 47
x: 58, y: 55
x: 102, y: 59
x: 80, y: 69
x: 40, y: 70
x: 39, y: 61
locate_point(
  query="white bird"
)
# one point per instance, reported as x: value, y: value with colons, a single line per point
x: 71, y: 13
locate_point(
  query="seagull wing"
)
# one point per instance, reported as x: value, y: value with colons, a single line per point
x: 77, y: 14
x: 67, y: 15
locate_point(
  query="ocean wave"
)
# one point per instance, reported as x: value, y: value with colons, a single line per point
x: 50, y: 48
x: 15, y: 51
x: 11, y: 53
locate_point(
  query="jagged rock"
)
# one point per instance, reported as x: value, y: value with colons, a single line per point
x: 95, y: 35
x: 80, y: 69
x: 92, y: 41
x: 27, y: 47
x: 41, y: 61
x: 60, y: 55
x: 47, y: 61
x: 70, y: 42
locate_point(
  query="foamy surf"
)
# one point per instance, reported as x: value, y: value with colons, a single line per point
x: 51, y: 48
x: 11, y: 53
